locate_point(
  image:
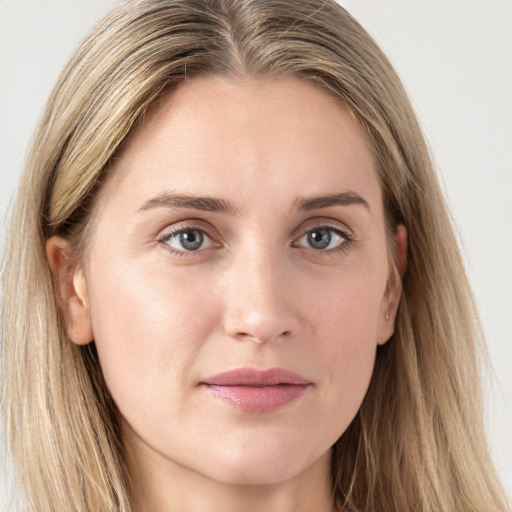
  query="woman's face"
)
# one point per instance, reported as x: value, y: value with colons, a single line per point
x: 237, y: 283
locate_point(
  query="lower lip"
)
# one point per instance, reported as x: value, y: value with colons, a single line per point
x: 258, y: 398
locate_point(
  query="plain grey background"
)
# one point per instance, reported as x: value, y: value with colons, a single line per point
x: 455, y: 57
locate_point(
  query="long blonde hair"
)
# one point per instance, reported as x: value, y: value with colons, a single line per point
x: 417, y: 442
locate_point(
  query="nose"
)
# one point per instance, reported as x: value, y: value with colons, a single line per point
x: 259, y: 302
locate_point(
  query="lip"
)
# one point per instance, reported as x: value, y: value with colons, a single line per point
x: 256, y: 390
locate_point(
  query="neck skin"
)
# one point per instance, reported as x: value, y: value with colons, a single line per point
x: 161, y: 485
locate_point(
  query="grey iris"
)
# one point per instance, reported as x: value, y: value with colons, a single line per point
x: 319, y: 238
x: 191, y: 240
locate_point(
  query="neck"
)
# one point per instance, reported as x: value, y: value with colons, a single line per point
x: 161, y: 485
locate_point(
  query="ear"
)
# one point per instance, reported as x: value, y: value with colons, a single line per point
x: 391, y: 299
x: 71, y: 290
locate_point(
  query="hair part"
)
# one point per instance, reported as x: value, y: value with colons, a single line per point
x: 417, y: 442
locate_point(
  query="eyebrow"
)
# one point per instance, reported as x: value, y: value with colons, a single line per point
x: 342, y: 199
x: 212, y: 204
x: 206, y: 204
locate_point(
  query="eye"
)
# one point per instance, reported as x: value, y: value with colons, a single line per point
x: 188, y: 240
x: 322, y: 238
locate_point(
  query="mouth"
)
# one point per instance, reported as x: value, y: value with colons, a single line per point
x: 256, y: 390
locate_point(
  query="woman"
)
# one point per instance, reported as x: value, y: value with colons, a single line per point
x: 243, y: 286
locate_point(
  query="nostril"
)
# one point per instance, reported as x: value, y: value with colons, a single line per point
x: 261, y: 337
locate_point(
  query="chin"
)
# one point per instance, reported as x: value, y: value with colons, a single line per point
x: 266, y: 467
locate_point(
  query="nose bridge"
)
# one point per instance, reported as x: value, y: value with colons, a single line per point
x: 258, y: 305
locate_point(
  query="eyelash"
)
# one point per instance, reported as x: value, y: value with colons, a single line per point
x: 344, y: 245
x: 165, y: 238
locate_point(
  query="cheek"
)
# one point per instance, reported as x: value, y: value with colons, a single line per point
x: 346, y: 307
x: 148, y: 328
x: 345, y: 317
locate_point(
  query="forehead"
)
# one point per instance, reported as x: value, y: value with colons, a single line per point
x: 221, y: 137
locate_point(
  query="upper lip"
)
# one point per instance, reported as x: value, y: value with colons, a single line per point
x: 256, y: 377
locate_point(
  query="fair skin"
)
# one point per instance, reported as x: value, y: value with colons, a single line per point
x: 283, y: 266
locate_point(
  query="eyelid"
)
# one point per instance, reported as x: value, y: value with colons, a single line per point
x: 323, y: 223
x: 214, y: 235
x: 329, y: 224
x: 190, y: 224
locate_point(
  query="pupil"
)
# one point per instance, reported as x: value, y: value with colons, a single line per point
x: 319, y: 239
x: 191, y: 240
